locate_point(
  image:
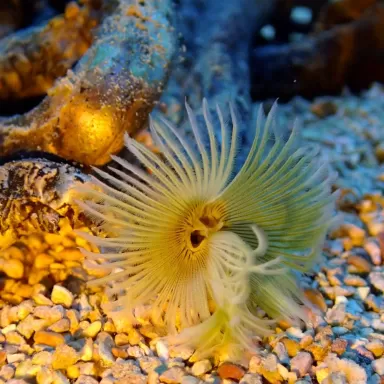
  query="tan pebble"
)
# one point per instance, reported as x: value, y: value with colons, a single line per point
x: 52, y: 339
x: 230, y: 371
x: 60, y: 326
x: 89, y: 369
x: 14, y: 338
x: 59, y: 378
x: 7, y: 371
x: 61, y: 295
x: 362, y: 265
x: 24, y: 309
x: 13, y: 268
x: 42, y: 358
x: 26, y: 369
x: 43, y: 261
x: 45, y: 376
x: 37, y: 275
x: 373, y: 251
x: 40, y: 299
x: 92, y: 330
x: 64, y: 357
x: 316, y: 298
x: 15, y: 357
x: 29, y: 325
x: 52, y: 314
x: 306, y: 340
x: 170, y: 376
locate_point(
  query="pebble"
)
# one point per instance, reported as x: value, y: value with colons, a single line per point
x: 61, y: 295
x: 378, y: 366
x: 172, y: 375
x: 64, y: 357
x: 302, y: 363
x: 230, y: 371
x: 52, y: 339
x: 201, y: 367
x: 377, y: 280
x: 52, y: 314
x: 92, y: 330
x: 251, y: 378
x: 105, y: 344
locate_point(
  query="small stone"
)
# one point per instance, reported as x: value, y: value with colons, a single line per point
x: 201, y: 367
x: 281, y: 353
x: 339, y: 346
x: 230, y: 371
x: 354, y: 281
x: 92, y: 330
x: 61, y: 295
x: 251, y: 378
x: 29, y: 325
x: 52, y: 314
x: 7, y: 371
x: 123, y: 368
x: 86, y: 352
x: 105, y: 343
x: 26, y: 368
x: 301, y: 363
x: 40, y: 299
x: 162, y: 350
x: 172, y: 375
x: 15, y: 357
x: 292, y: 346
x: 13, y: 268
x: 14, y: 338
x: 64, y: 357
x: 373, y: 251
x: 52, y: 339
x: 60, y: 326
x: 377, y: 280
x: 42, y: 358
x: 376, y: 347
x: 149, y: 363
x: 190, y: 380
x: 121, y: 339
x: 84, y: 379
x: 132, y: 378
x: 378, y: 366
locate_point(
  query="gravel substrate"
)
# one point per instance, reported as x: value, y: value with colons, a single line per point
x: 53, y: 330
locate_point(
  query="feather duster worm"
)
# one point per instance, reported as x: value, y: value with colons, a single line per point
x: 205, y: 248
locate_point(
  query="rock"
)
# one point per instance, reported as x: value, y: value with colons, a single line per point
x: 301, y: 363
x: 64, y: 357
x: 123, y: 368
x: 52, y: 314
x: 52, y: 339
x: 172, y: 375
x: 251, y: 378
x: 92, y: 330
x: 361, y: 264
x: 61, y: 295
x: 133, y: 378
x: 162, y: 350
x: 377, y: 280
x: 230, y: 371
x: 149, y: 363
x: 378, y: 366
x: 376, y: 347
x: 84, y: 379
x: 201, y: 367
x: 60, y: 326
x: 190, y: 380
x: 42, y: 358
x: 105, y: 343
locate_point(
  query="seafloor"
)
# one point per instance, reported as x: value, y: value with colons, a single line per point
x: 59, y: 334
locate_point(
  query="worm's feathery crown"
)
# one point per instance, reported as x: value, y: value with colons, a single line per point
x: 190, y: 238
